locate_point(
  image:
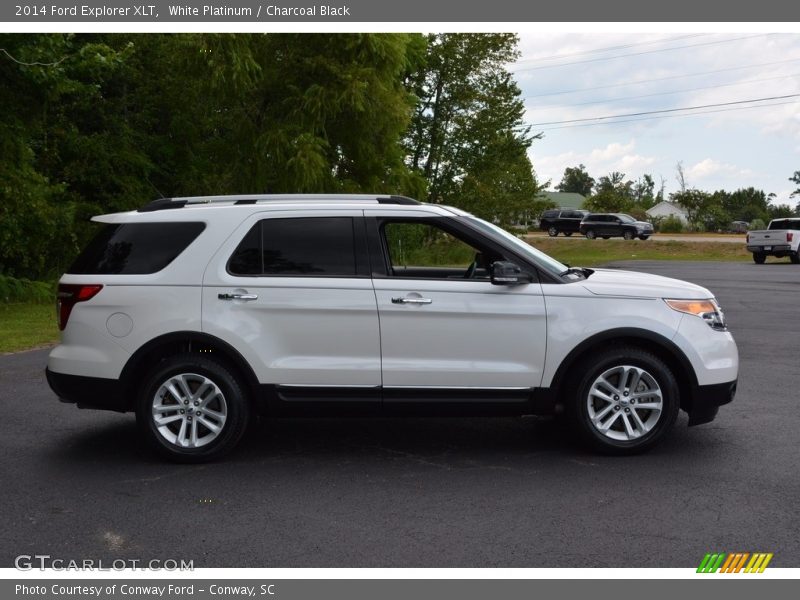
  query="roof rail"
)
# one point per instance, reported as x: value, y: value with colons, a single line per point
x: 171, y: 203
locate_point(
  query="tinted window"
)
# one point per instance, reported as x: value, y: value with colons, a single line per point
x: 549, y: 214
x: 315, y: 246
x: 135, y: 248
x: 425, y: 250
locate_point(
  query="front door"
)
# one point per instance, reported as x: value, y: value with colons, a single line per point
x: 443, y: 324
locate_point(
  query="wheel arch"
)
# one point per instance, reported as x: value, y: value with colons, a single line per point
x: 184, y: 342
x: 647, y: 340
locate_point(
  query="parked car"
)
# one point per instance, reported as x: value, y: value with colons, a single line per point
x: 561, y: 220
x: 199, y: 313
x: 781, y: 238
x: 608, y: 225
x: 738, y: 227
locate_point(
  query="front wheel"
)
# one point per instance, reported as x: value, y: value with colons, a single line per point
x: 628, y: 235
x: 625, y: 400
x: 759, y: 258
x: 192, y: 409
x: 552, y: 232
x: 590, y: 234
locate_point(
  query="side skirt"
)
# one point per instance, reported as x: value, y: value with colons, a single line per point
x: 350, y: 401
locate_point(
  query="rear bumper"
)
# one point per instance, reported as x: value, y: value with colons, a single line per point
x: 706, y: 400
x: 88, y: 392
x: 772, y: 250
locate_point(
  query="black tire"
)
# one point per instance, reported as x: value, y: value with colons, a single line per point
x: 759, y: 258
x: 552, y: 231
x: 628, y: 235
x: 231, y: 400
x: 568, y: 233
x: 795, y: 257
x: 578, y: 399
x: 643, y: 237
x: 590, y: 234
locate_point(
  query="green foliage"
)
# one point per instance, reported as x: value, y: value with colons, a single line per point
x: 780, y: 211
x: 757, y: 224
x: 671, y: 224
x: 795, y: 178
x: 23, y: 290
x: 96, y: 123
x: 577, y: 180
x: 467, y: 137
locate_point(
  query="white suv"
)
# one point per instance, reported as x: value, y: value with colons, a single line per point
x: 198, y: 313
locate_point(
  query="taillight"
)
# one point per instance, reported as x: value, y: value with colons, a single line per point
x: 789, y: 236
x: 69, y: 295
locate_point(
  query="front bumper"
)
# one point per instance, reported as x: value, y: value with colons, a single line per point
x: 88, y: 392
x: 706, y: 400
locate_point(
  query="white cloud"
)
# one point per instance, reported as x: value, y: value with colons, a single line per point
x: 709, y: 167
x: 615, y: 156
x: 612, y: 151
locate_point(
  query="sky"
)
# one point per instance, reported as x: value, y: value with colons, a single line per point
x: 569, y: 76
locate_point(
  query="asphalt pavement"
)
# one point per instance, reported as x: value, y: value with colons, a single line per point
x: 425, y: 492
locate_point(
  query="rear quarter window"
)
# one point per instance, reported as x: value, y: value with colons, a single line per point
x: 135, y: 248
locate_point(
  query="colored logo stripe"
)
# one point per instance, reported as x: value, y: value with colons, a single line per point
x: 734, y: 562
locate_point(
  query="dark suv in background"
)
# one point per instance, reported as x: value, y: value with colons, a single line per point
x: 561, y: 220
x: 606, y: 225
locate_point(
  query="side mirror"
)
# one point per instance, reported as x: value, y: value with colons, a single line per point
x: 508, y: 273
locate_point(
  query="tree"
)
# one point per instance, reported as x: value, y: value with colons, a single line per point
x: 467, y: 137
x: 795, y: 179
x: 576, y: 180
x: 696, y: 203
x: 613, y: 194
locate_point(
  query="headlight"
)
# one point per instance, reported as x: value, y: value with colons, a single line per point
x: 708, y: 310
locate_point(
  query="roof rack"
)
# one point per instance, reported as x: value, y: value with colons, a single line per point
x: 238, y: 200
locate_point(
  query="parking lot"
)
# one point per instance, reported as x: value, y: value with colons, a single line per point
x: 425, y: 493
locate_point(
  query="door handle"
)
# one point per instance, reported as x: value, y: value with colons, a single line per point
x: 411, y: 300
x: 245, y: 297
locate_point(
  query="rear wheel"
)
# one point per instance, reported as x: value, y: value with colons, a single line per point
x: 795, y: 258
x: 192, y: 409
x: 590, y: 234
x: 759, y: 258
x: 552, y: 232
x: 628, y: 235
x: 624, y: 401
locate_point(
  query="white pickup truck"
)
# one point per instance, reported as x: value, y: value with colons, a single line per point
x: 781, y: 238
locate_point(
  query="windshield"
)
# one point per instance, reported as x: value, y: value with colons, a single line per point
x: 627, y: 218
x: 551, y: 265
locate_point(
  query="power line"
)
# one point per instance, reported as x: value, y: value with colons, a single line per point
x: 694, y: 114
x: 670, y: 77
x: 592, y: 60
x: 33, y: 64
x: 610, y: 48
x: 706, y: 87
x: 666, y: 110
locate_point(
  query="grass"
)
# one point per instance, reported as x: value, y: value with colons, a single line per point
x: 26, y: 326
x: 589, y: 253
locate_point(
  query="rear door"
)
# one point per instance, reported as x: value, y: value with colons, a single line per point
x: 291, y: 291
